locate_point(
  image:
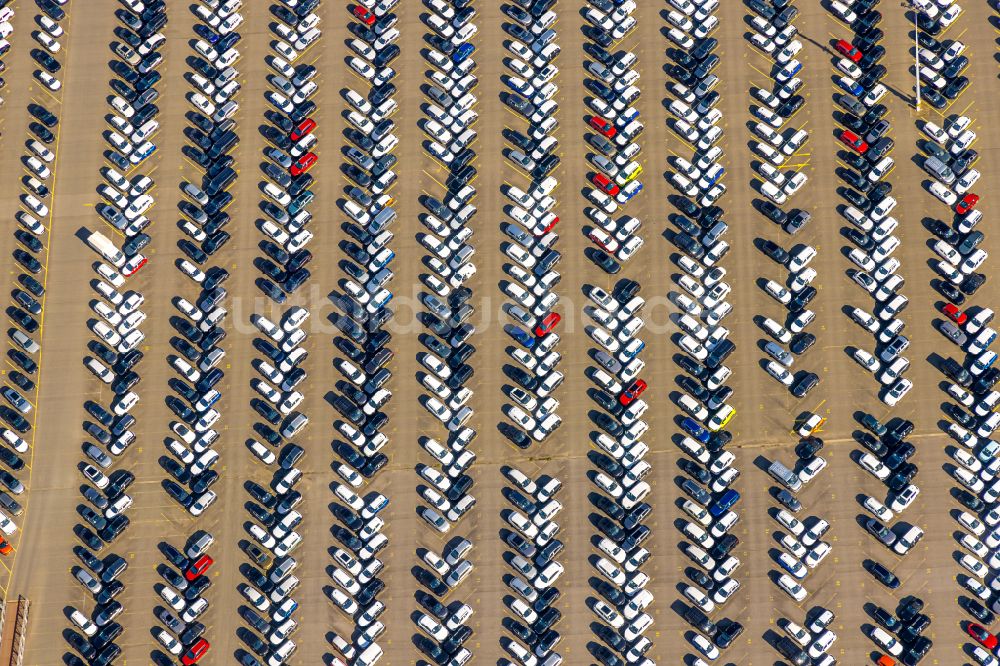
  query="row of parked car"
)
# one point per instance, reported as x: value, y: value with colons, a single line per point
x: 703, y: 340
x: 531, y: 153
x: 448, y: 121
x: 948, y: 157
x: 24, y: 312
x: 113, y: 354
x: 363, y: 392
x: 776, y: 37
x: 867, y: 190
x: 532, y: 548
x: 290, y: 155
x: 621, y: 593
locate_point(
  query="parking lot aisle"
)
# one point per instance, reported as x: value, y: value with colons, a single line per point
x: 43, y: 559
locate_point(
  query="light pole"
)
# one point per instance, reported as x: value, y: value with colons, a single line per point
x: 916, y: 56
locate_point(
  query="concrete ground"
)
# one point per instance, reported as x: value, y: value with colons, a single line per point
x: 40, y: 568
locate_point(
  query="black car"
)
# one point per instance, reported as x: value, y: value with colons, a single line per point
x: 729, y: 631
x: 804, y: 384
x: 789, y: 501
x: 48, y: 118
x: 914, y: 628
x: 885, y: 618
x: 603, y: 260
x: 700, y: 578
x: 949, y: 291
x: 808, y: 447
x: 933, y: 97
x: 902, y: 476
x: 696, y: 471
x: 787, y: 108
x: 772, y: 212
x: 372, y: 588
x: 971, y: 284
x: 192, y: 633
x: 723, y: 546
x: 976, y: 610
x: 22, y: 361
x: 961, y: 162
x: 968, y: 500
x: 774, y: 251
x: 45, y: 60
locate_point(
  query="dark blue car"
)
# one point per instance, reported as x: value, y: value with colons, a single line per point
x: 521, y: 335
x: 462, y: 53
x: 724, y: 503
x: 694, y: 429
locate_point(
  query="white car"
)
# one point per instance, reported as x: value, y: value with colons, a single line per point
x: 897, y: 392
x: 945, y: 195
x: 971, y: 523
x: 792, y: 588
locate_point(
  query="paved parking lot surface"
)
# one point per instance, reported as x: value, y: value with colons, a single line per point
x: 39, y: 568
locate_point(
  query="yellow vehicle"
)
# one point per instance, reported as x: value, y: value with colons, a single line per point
x: 629, y: 172
x: 721, y: 418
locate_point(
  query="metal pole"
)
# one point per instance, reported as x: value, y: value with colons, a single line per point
x: 916, y: 56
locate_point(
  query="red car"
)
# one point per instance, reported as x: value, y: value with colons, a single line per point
x: 363, y: 15
x: 952, y: 312
x: 303, y: 128
x: 133, y: 265
x: 303, y: 164
x: 633, y: 391
x: 967, y: 203
x: 198, y: 567
x: 545, y: 326
x: 603, y: 126
x: 604, y: 184
x: 985, y: 638
x: 848, y: 50
x: 195, y: 652
x: 854, y: 142
x: 548, y: 226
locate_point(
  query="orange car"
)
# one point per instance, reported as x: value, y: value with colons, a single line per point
x: 5, y: 547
